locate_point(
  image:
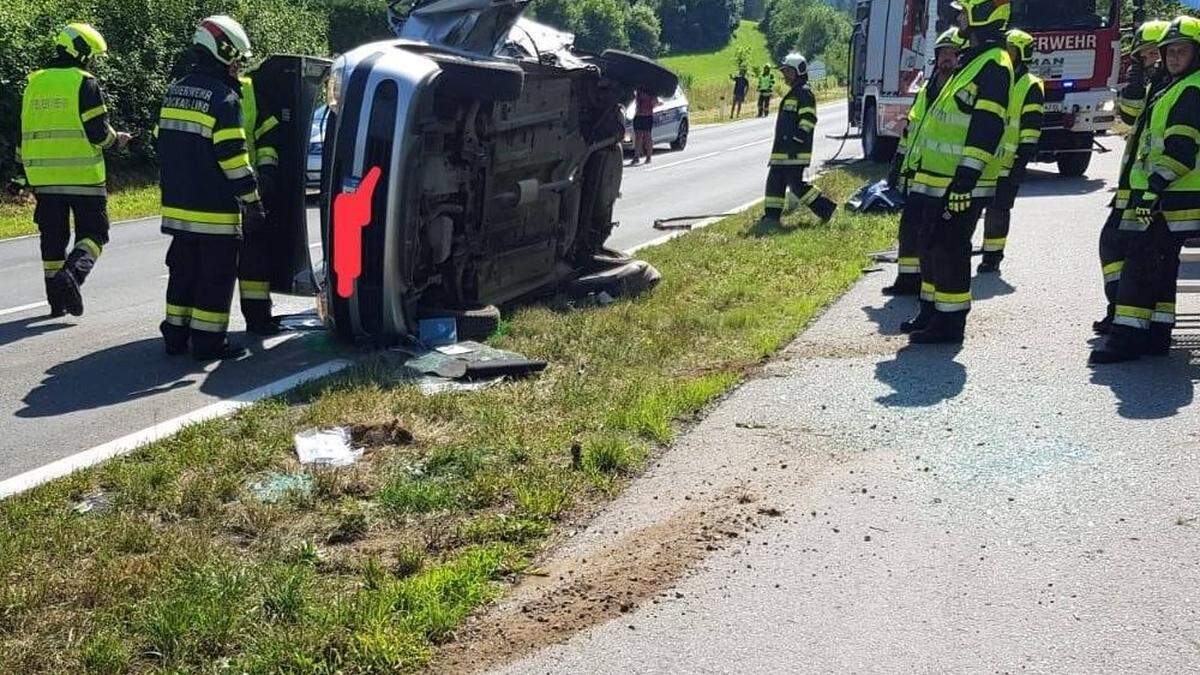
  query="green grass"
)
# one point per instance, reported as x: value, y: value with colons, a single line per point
x: 705, y: 76
x: 128, y: 198
x: 187, y: 572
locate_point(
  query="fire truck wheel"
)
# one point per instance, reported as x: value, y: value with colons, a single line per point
x: 1074, y: 164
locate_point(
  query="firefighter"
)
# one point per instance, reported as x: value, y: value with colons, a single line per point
x: 209, y: 191
x: 1021, y: 139
x: 254, y: 261
x: 766, y: 87
x: 792, y: 151
x: 64, y: 133
x: 1163, y: 205
x: 1146, y: 79
x: 908, y: 277
x: 956, y: 160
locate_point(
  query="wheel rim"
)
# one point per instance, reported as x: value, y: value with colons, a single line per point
x: 683, y: 134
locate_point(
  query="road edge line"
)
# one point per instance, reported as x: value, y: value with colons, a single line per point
x: 127, y: 444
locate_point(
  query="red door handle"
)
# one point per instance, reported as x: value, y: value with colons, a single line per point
x: 351, y: 214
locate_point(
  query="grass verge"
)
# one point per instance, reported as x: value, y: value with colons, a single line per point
x: 705, y: 76
x: 129, y: 197
x: 188, y: 571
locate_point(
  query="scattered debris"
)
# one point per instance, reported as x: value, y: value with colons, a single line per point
x: 275, y: 486
x: 379, y: 435
x: 438, y: 331
x: 328, y: 447
x: 750, y: 425
x: 468, y: 366
x: 93, y: 502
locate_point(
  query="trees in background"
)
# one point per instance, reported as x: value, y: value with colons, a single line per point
x: 812, y: 27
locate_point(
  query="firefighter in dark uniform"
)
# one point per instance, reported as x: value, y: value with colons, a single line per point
x: 64, y: 133
x: 957, y: 160
x: 1021, y: 139
x: 1164, y: 205
x: 908, y: 274
x: 792, y: 151
x: 209, y: 191
x: 254, y: 262
x: 1146, y: 79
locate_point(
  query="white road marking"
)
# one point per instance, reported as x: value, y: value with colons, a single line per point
x: 127, y: 444
x: 23, y: 308
x: 697, y: 158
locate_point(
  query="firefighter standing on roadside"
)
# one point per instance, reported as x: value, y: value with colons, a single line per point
x: 792, y: 151
x: 766, y: 87
x: 1021, y: 139
x: 207, y: 183
x: 64, y: 133
x: 912, y: 220
x: 1164, y: 205
x: 254, y: 260
x: 1146, y: 78
x: 956, y: 160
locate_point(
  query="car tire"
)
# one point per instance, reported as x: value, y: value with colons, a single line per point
x: 638, y: 71
x: 478, y: 79
x: 1073, y: 164
x: 599, y: 191
x: 681, y: 140
x: 625, y: 280
x: 475, y: 323
x: 876, y: 146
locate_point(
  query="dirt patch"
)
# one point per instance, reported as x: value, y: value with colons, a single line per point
x: 381, y: 435
x: 572, y: 594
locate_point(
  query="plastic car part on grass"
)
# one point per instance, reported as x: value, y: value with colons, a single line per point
x: 877, y: 197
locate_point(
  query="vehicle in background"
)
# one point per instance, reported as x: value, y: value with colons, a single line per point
x: 316, y: 146
x: 1078, y: 53
x: 672, y: 123
x: 472, y: 161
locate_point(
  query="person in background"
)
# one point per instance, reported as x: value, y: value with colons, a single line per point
x: 766, y: 87
x: 64, y: 133
x: 643, y: 126
x: 741, y: 86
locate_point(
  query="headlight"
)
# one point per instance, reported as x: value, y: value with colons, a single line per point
x: 333, y: 85
x: 1108, y: 106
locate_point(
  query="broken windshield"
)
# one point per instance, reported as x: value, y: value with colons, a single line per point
x: 1040, y: 15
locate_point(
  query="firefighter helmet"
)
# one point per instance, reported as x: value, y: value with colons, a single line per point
x: 1182, y: 29
x: 224, y: 38
x: 952, y: 38
x: 1149, y: 34
x: 81, y: 41
x: 982, y: 13
x: 1022, y: 42
x: 795, y: 61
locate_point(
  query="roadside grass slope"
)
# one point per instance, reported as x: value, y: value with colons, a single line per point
x: 188, y: 571
x: 131, y: 197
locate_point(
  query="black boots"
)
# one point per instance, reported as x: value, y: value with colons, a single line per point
x: 62, y: 291
x: 990, y: 265
x: 943, y: 328
x: 824, y: 207
x: 921, y: 320
x: 905, y: 284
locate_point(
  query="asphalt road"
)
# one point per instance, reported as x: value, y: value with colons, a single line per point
x: 67, y: 385
x: 998, y: 509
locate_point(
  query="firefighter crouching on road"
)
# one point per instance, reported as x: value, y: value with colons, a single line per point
x: 918, y: 208
x: 766, y: 87
x: 1147, y: 78
x: 254, y: 261
x: 1164, y: 207
x: 1021, y: 139
x: 792, y: 152
x: 64, y: 132
x: 956, y: 160
x: 207, y: 184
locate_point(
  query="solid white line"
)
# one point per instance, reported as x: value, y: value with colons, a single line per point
x: 23, y: 308
x: 697, y: 158
x: 127, y: 444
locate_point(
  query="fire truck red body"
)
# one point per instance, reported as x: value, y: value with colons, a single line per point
x: 1078, y: 53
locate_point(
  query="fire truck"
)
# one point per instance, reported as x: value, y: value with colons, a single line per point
x: 1078, y: 53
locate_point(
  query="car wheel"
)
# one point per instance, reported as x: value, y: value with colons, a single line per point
x: 1073, y: 164
x: 478, y: 79
x: 599, y: 190
x: 681, y: 140
x: 628, y: 279
x: 476, y: 323
x: 638, y: 71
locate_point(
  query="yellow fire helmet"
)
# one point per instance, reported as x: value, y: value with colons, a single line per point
x: 985, y: 12
x: 81, y: 40
x: 952, y: 39
x: 1022, y: 42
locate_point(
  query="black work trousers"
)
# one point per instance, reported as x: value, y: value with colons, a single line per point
x: 919, y: 215
x: 203, y: 269
x: 1113, y: 244
x: 764, y: 104
x: 53, y: 217
x: 782, y: 178
x: 997, y: 219
x: 1145, y: 307
x: 946, y: 259
x: 254, y: 278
